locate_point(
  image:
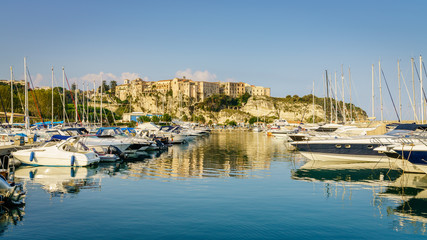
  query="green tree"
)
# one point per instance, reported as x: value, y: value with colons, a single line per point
x: 113, y: 85
x: 155, y: 119
x: 252, y: 120
x: 144, y: 119
x: 166, y: 118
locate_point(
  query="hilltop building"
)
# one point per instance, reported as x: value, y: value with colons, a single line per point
x: 186, y: 88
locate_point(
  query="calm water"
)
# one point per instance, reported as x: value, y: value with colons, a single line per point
x: 233, y: 185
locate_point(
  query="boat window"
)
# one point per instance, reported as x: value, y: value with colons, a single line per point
x: 348, y: 146
x: 370, y: 147
x: 338, y: 146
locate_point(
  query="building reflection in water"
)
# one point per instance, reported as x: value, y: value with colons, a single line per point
x: 398, y: 195
x: 240, y: 155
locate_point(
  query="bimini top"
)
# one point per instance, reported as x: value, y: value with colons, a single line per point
x: 411, y: 127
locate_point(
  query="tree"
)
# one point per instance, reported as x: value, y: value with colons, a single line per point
x: 232, y: 123
x: 166, y: 118
x: 155, y: 119
x: 113, y: 85
x: 144, y: 119
x: 184, y: 118
x: 252, y: 120
x: 105, y: 87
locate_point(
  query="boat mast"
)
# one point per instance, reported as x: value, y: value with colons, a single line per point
x: 313, y: 103
x: 63, y: 96
x: 336, y: 97
x: 331, y: 102
x: 381, y: 94
x: 413, y: 88
x: 327, y: 93
x: 52, y: 96
x: 75, y: 93
x: 94, y: 100
x: 373, y: 92
x: 421, y: 89
x: 87, y: 105
x: 343, y: 92
x: 324, y: 97
x: 11, y: 94
x: 351, y: 100
x: 400, y: 91
x: 101, y: 100
x: 26, y: 115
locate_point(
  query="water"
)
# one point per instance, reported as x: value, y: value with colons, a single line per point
x: 231, y: 185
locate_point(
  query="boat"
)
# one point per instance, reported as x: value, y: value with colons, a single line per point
x: 71, y: 152
x: 358, y: 149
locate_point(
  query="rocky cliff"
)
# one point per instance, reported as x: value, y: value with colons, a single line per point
x: 263, y: 107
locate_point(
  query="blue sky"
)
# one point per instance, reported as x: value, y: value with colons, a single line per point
x: 285, y: 45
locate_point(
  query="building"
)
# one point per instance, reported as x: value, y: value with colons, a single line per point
x: 186, y: 88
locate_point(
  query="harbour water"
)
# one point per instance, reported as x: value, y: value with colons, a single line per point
x: 230, y: 185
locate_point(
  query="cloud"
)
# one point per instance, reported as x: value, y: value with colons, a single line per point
x: 197, y: 75
x: 132, y: 76
x: 38, y: 79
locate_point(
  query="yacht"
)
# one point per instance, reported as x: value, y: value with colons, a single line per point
x: 71, y: 152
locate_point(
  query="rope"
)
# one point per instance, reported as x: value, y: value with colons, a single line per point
x: 35, y: 98
x: 394, y: 106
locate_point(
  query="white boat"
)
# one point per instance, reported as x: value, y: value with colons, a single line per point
x: 71, y: 152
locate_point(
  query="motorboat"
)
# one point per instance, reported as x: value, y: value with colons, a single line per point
x: 358, y: 149
x: 71, y: 152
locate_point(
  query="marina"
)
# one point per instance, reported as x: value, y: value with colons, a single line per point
x: 213, y: 120
x: 230, y: 184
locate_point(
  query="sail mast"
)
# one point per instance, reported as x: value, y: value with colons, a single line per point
x: 381, y: 94
x: 336, y: 97
x: 373, y: 92
x: 101, y: 100
x: 26, y: 115
x: 351, y: 100
x: 400, y: 91
x: 421, y: 89
x: 313, y: 103
x: 52, y: 96
x: 413, y: 89
x: 11, y: 94
x: 63, y: 96
x: 75, y: 93
x: 343, y: 93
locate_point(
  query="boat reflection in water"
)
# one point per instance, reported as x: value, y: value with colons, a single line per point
x: 59, y: 180
x: 244, y: 155
x: 403, y: 195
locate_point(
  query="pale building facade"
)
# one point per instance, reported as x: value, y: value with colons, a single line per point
x: 186, y: 88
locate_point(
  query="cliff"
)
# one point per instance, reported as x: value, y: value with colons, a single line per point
x: 264, y: 108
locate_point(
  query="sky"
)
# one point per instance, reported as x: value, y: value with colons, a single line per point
x: 284, y: 45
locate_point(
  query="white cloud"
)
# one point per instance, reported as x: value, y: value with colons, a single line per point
x: 37, y: 80
x: 197, y: 75
x: 132, y: 76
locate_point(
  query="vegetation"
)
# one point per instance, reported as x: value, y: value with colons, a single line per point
x: 217, y: 102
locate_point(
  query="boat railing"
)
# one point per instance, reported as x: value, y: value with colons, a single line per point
x: 381, y: 141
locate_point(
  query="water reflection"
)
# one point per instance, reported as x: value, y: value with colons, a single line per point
x: 10, y: 215
x: 59, y: 180
x: 219, y: 155
x: 398, y: 195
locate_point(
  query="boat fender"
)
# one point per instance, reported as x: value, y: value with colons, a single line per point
x: 73, y: 160
x: 73, y: 172
x: 32, y: 156
x: 31, y: 175
x: 35, y: 138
